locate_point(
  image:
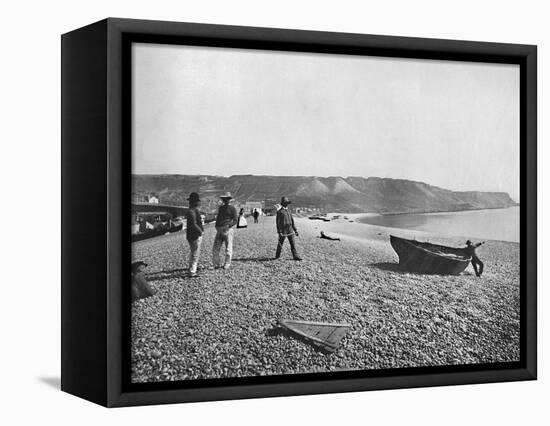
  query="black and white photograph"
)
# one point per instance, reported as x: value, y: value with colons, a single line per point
x: 275, y: 214
x: 297, y: 213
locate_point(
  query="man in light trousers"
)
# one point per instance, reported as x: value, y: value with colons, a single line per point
x: 225, y: 224
x: 195, y: 229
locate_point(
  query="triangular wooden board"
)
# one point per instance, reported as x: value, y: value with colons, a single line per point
x: 328, y: 335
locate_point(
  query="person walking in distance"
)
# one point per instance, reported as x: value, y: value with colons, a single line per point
x: 470, y: 249
x: 195, y: 229
x: 286, y: 229
x: 256, y: 215
x: 225, y: 224
x: 241, y: 221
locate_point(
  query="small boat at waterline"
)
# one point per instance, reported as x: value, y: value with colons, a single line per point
x: 428, y: 258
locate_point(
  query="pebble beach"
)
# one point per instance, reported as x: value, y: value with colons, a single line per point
x: 223, y: 323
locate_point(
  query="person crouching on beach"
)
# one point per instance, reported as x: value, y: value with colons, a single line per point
x: 140, y: 287
x: 470, y: 249
x: 225, y: 223
x: 286, y: 229
x: 195, y: 229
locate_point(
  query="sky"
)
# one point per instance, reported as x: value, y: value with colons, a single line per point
x: 220, y: 111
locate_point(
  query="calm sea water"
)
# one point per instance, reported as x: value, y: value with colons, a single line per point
x: 494, y: 224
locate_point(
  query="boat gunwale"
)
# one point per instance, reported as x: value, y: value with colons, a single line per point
x: 330, y: 346
x: 323, y: 324
x: 431, y: 253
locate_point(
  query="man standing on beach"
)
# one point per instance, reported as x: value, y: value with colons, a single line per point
x: 194, y: 231
x: 225, y: 223
x: 471, y: 251
x: 286, y: 229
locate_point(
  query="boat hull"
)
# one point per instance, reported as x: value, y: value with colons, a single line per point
x: 426, y: 258
x: 156, y: 232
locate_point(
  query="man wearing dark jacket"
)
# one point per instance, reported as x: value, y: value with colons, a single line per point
x: 470, y: 249
x: 225, y: 223
x: 286, y: 229
x: 194, y: 231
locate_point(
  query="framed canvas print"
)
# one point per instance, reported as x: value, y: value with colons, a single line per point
x: 253, y: 212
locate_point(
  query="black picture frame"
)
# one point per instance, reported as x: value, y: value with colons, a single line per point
x: 96, y: 180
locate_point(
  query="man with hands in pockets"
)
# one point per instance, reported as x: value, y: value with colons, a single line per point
x: 225, y: 224
x: 286, y: 229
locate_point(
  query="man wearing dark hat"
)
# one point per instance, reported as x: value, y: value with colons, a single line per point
x: 286, y: 229
x: 470, y: 249
x: 195, y: 230
x: 225, y: 223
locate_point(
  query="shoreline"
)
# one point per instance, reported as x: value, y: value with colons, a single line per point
x: 447, y: 211
x: 369, y: 233
x: 419, y: 211
x: 345, y: 228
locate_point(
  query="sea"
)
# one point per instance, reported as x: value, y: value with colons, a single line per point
x: 492, y: 224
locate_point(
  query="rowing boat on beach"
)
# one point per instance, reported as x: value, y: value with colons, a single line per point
x: 427, y: 258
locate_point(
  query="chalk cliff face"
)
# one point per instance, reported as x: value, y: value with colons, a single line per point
x: 352, y: 194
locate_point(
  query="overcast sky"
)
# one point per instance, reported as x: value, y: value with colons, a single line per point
x: 204, y: 110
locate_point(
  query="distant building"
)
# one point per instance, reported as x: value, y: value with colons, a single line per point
x: 249, y: 206
x: 139, y: 199
x: 153, y: 199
